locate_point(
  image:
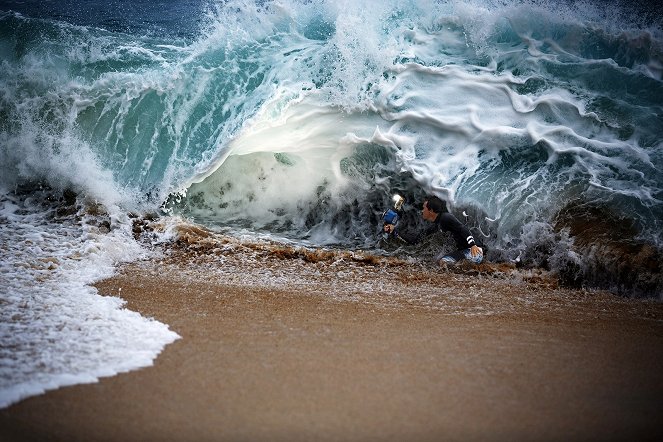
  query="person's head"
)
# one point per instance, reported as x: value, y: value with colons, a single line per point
x: 433, y: 206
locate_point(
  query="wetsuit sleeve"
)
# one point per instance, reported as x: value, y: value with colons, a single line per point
x: 461, y: 234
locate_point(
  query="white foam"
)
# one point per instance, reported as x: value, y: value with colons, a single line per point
x: 55, y: 329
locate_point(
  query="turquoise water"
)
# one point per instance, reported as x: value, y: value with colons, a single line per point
x: 302, y: 118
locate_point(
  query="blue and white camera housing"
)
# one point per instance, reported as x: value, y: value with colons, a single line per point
x: 391, y: 217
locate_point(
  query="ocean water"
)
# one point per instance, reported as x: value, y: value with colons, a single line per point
x: 540, y: 122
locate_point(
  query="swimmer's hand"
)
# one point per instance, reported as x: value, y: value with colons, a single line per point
x: 475, y: 250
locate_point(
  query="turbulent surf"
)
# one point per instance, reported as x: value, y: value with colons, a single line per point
x: 541, y: 124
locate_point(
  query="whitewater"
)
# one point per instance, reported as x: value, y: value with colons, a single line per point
x: 540, y: 123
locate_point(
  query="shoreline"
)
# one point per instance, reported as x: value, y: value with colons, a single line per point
x: 280, y: 345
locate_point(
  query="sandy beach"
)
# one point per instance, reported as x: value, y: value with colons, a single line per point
x: 282, y: 343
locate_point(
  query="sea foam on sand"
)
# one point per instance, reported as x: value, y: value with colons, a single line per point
x: 55, y: 329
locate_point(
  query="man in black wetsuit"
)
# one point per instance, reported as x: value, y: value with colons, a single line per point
x: 435, y: 211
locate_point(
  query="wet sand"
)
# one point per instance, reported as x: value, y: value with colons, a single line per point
x: 284, y: 344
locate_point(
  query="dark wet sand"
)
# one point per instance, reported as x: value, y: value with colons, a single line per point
x: 452, y: 356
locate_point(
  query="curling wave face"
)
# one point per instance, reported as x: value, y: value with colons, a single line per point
x: 521, y: 113
x: 301, y: 118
